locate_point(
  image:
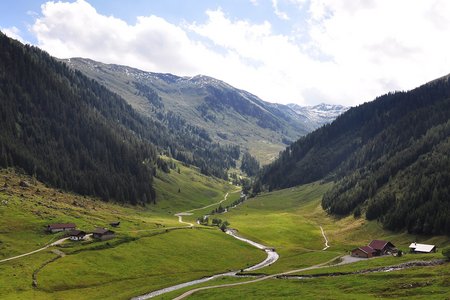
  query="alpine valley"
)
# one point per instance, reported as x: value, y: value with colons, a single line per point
x: 118, y: 183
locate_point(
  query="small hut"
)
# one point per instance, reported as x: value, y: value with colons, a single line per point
x: 364, y: 252
x: 421, y: 248
x: 382, y: 247
x: 76, y: 235
x: 115, y: 224
x: 103, y: 234
x: 57, y: 227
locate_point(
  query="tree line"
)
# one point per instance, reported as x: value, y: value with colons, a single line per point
x: 388, y: 159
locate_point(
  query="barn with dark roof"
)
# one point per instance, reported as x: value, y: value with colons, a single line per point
x: 375, y: 248
x: 382, y: 247
x: 60, y: 227
x: 364, y: 251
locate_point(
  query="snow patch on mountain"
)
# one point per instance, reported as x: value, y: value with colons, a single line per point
x: 320, y: 114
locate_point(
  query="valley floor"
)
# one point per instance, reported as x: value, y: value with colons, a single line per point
x: 153, y: 250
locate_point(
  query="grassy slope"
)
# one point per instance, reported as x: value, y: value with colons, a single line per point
x: 143, y: 257
x: 187, y: 190
x: 419, y: 283
x: 289, y: 220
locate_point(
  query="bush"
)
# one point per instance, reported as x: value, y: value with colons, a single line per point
x: 357, y: 212
x: 446, y: 252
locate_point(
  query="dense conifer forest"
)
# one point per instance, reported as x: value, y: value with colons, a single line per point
x: 389, y: 159
x: 73, y: 133
x: 69, y: 131
x: 249, y: 164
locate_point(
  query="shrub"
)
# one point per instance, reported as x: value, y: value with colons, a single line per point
x: 446, y: 252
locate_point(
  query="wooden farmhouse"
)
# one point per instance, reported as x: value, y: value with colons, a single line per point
x: 60, y: 227
x: 364, y: 252
x: 375, y: 248
x: 103, y: 234
x: 421, y: 248
x: 76, y: 235
x: 382, y: 247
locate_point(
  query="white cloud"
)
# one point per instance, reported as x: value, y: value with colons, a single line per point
x: 13, y: 32
x: 382, y: 45
x: 354, y: 50
x: 280, y: 14
x: 77, y: 29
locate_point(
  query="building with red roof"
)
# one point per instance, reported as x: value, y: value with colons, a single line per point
x: 375, y: 248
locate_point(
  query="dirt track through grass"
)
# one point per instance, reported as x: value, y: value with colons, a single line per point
x: 188, y: 293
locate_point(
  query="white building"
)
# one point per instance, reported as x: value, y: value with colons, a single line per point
x: 421, y: 248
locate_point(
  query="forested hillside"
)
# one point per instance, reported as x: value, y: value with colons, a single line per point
x: 75, y: 134
x: 389, y: 159
x: 69, y: 131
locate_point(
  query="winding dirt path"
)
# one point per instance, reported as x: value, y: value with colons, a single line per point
x: 180, y: 218
x: 188, y: 293
x: 210, y: 205
x: 189, y: 212
x: 35, y: 251
x: 326, y: 240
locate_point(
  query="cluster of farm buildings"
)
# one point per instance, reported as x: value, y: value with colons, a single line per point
x: 380, y: 247
x: 74, y: 234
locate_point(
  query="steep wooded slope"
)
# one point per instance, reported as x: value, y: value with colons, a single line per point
x: 54, y: 102
x: 389, y: 158
x: 69, y: 131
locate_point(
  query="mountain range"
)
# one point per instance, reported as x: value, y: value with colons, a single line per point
x: 318, y: 115
x: 227, y: 114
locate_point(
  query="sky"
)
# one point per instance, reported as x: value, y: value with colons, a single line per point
x: 284, y: 51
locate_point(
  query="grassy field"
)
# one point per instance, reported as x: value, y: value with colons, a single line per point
x: 189, y: 189
x: 418, y: 283
x: 152, y: 250
x: 290, y: 221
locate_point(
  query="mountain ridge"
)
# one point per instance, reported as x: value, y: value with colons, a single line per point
x: 229, y: 115
x: 320, y: 114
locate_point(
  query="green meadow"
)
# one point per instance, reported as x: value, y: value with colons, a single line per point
x: 153, y: 250
x: 417, y: 283
x: 289, y: 220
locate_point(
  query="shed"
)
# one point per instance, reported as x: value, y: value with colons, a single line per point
x: 421, y: 248
x: 382, y: 247
x: 103, y: 234
x: 57, y: 227
x: 76, y: 235
x: 364, y: 251
x: 115, y: 224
